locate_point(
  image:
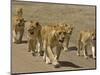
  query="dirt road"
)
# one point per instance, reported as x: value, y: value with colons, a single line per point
x: 24, y: 62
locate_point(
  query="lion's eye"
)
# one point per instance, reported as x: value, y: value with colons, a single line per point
x: 37, y: 23
x: 32, y: 27
x: 21, y: 20
x: 59, y: 33
x: 16, y: 19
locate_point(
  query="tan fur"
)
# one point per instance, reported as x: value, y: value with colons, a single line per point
x: 18, y: 29
x: 34, y: 38
x: 69, y: 30
x: 85, y: 39
x: 53, y: 37
x: 19, y: 12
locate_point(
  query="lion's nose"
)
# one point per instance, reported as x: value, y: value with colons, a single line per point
x: 63, y: 38
x: 31, y: 33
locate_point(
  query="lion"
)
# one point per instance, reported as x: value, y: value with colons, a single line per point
x: 53, y: 38
x: 19, y: 12
x: 86, y: 38
x: 34, y: 38
x: 18, y: 29
x: 69, y: 29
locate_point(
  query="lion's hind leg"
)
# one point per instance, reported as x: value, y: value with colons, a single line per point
x: 85, y: 51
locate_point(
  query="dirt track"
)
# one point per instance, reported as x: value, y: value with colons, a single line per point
x: 81, y: 17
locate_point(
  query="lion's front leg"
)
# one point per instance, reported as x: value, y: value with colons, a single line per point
x: 53, y: 56
x: 14, y: 36
x: 80, y: 47
x: 32, y: 46
x: 93, y: 52
x: 65, y: 44
x: 93, y: 42
x: 46, y: 58
x: 15, y: 39
x: 58, y: 52
x: 21, y: 35
x: 40, y: 47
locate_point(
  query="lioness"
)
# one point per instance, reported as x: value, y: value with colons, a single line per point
x: 19, y: 12
x: 18, y: 29
x: 53, y: 38
x: 34, y: 38
x: 69, y: 30
x: 86, y: 38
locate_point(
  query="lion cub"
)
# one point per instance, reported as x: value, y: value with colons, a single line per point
x: 34, y: 38
x: 53, y: 37
x: 18, y: 29
x: 69, y: 30
x: 86, y: 38
x: 19, y: 12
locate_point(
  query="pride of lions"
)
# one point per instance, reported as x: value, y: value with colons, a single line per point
x: 49, y: 40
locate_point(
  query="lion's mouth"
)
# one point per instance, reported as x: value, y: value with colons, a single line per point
x: 61, y: 41
x: 31, y: 33
x: 94, y: 38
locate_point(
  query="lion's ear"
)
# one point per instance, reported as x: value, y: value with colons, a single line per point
x: 21, y: 9
x: 55, y: 36
x: 25, y: 20
x: 37, y: 23
x: 31, y: 21
x: 54, y: 33
x: 55, y: 26
x: 72, y: 27
x: 92, y: 33
x: 66, y: 25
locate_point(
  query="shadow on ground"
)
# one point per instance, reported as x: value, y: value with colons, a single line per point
x: 72, y: 48
x: 69, y: 64
x: 24, y: 41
